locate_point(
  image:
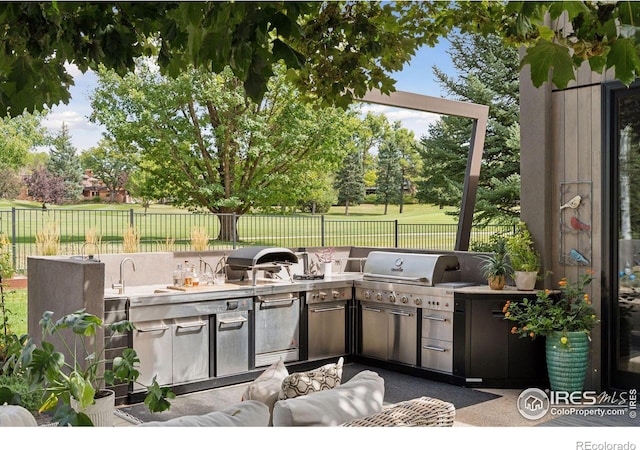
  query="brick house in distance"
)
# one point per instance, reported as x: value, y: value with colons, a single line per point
x: 93, y: 187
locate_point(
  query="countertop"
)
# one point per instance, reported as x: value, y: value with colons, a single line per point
x: 163, y: 293
x: 485, y: 289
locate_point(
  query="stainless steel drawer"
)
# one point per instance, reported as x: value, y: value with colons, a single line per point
x: 437, y: 355
x: 437, y: 324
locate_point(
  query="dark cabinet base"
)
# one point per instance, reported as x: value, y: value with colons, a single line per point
x: 485, y: 353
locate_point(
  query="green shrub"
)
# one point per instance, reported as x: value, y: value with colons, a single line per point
x: 26, y: 397
x: 371, y: 199
x: 6, y: 262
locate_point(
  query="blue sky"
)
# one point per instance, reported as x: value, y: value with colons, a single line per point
x: 417, y: 77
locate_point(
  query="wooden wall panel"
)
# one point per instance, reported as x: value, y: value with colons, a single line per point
x: 576, y: 126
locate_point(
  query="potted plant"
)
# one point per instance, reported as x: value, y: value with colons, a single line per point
x: 73, y: 385
x: 566, y: 321
x: 325, y: 259
x: 495, y: 266
x: 523, y: 257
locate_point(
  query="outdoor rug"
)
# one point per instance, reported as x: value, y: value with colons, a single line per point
x: 398, y: 387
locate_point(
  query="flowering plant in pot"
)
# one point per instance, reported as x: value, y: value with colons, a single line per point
x: 85, y: 376
x: 566, y: 321
x: 325, y: 259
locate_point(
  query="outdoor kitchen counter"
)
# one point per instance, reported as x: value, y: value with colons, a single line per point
x: 162, y: 294
x: 484, y: 289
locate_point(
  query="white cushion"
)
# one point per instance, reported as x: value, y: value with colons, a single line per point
x: 266, y: 387
x: 250, y: 413
x: 359, y: 397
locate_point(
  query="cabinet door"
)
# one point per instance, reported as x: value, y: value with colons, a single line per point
x: 190, y: 349
x: 403, y: 336
x: 488, y: 340
x: 326, y: 330
x: 375, y: 324
x: 232, y: 343
x: 152, y: 342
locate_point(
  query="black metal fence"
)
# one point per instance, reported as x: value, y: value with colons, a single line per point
x: 29, y: 230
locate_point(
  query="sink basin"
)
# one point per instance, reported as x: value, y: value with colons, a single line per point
x: 136, y: 290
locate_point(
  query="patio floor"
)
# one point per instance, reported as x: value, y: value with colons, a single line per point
x: 474, y: 407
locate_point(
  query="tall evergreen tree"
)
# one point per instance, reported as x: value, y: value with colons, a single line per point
x: 350, y: 181
x: 397, y: 155
x: 488, y: 75
x: 65, y: 163
x: 389, y: 173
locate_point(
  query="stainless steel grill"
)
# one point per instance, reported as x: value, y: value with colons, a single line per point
x: 411, y: 268
x: 406, y: 299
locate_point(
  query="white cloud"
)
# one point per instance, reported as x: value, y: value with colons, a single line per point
x: 416, y: 121
x: 73, y: 70
x: 72, y: 119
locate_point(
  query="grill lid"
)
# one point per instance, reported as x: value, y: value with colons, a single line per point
x: 411, y: 268
x: 251, y: 257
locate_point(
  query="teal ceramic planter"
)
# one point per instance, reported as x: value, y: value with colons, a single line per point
x: 567, y: 363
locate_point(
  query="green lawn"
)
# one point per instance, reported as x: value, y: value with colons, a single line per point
x: 413, y: 213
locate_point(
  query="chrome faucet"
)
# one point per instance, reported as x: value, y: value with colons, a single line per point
x: 120, y: 284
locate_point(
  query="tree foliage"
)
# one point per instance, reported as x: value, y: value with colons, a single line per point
x: 109, y: 163
x: 19, y: 135
x: 210, y: 147
x: 336, y: 50
x: 395, y: 153
x: 350, y: 181
x: 487, y: 74
x: 44, y: 186
x: 64, y: 163
x: 10, y: 183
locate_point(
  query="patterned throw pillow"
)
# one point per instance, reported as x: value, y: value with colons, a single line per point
x: 303, y: 383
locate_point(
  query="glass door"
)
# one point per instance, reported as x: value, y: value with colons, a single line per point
x: 622, y: 239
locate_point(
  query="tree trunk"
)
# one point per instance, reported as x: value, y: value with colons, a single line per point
x: 402, y: 192
x: 346, y: 207
x: 228, y: 229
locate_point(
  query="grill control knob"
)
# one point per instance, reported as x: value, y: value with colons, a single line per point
x: 379, y: 296
x: 336, y: 294
x: 367, y: 295
x: 418, y: 301
x: 392, y: 298
x: 323, y: 295
x: 404, y: 299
